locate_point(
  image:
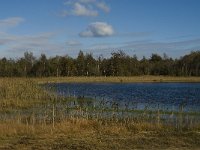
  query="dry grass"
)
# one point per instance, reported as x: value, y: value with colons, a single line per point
x: 20, y: 94
x: 89, y: 134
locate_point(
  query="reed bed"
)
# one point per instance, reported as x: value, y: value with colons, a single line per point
x: 34, y: 114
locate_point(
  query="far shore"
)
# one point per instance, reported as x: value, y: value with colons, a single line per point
x: 132, y: 79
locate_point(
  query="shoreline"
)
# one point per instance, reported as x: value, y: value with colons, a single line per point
x: 132, y: 79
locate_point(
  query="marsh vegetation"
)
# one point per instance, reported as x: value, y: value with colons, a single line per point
x: 35, y: 117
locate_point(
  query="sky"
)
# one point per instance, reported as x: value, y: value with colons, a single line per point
x: 100, y: 27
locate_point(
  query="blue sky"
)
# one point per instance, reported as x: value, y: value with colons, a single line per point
x: 60, y: 27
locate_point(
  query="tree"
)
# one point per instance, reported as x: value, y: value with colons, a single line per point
x: 119, y: 64
x: 28, y: 62
x: 90, y: 65
x: 55, y: 67
x: 155, y: 58
x: 41, y: 67
x: 80, y: 64
x: 144, y: 66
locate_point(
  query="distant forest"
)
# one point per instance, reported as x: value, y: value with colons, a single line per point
x: 119, y: 64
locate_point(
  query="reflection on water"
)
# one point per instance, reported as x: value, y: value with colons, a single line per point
x: 167, y: 96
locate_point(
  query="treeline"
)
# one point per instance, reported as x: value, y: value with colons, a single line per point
x: 119, y: 64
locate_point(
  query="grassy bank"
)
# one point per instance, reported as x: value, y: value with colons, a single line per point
x: 34, y: 118
x: 133, y: 79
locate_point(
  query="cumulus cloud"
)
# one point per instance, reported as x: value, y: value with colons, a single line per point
x: 90, y: 8
x: 82, y: 10
x: 98, y: 29
x: 10, y: 22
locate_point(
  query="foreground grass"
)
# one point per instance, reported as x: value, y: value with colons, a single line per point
x: 53, y: 130
x: 90, y: 134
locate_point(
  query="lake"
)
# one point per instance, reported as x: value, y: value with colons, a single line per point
x: 166, y: 96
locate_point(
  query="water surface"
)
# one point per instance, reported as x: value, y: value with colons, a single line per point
x: 168, y: 96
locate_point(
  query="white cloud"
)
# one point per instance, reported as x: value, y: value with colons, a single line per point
x: 12, y: 43
x: 40, y: 43
x: 10, y: 39
x: 82, y: 10
x: 103, y: 7
x: 98, y: 29
x: 10, y: 22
